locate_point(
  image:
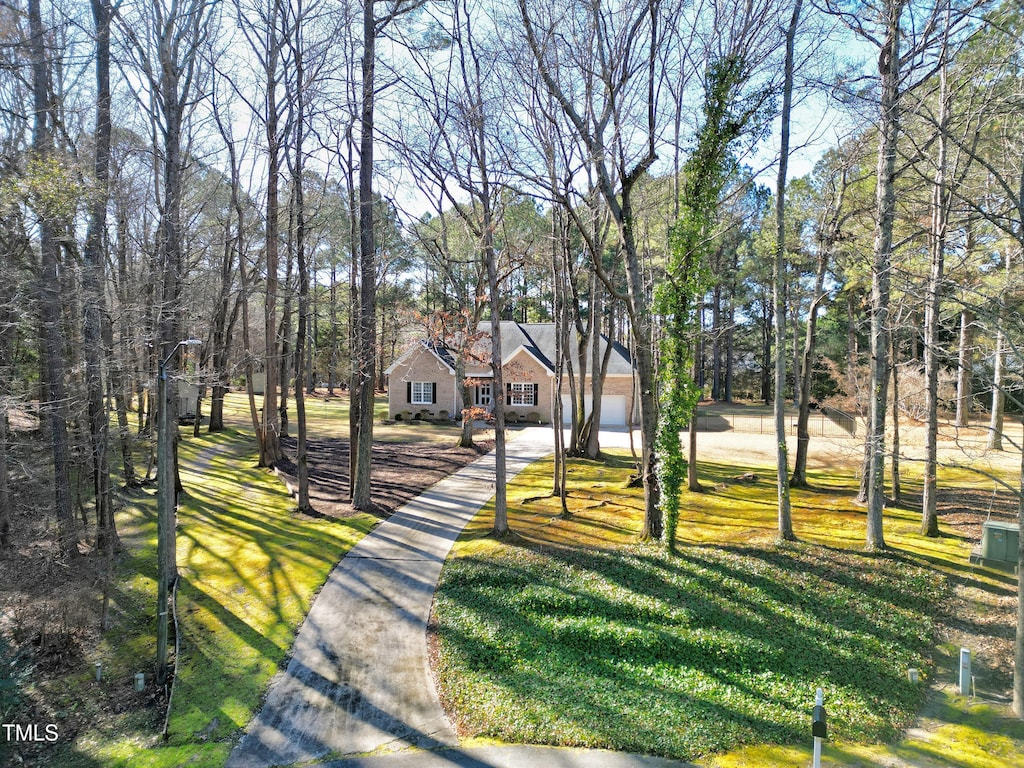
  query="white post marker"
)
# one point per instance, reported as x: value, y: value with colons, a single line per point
x: 965, y: 671
x: 818, y: 728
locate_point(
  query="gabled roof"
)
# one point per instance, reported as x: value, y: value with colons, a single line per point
x: 516, y: 335
x: 542, y: 338
x: 536, y: 339
x: 443, y: 354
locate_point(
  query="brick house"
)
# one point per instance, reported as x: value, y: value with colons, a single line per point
x: 421, y: 382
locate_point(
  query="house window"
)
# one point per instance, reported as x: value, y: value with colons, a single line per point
x: 422, y: 392
x: 521, y: 393
x: 483, y: 395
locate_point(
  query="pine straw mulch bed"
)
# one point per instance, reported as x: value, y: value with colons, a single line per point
x: 401, y: 471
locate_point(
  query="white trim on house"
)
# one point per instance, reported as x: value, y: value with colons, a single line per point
x: 522, y: 388
x: 422, y: 393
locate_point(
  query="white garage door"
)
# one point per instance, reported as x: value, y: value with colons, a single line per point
x: 613, y: 409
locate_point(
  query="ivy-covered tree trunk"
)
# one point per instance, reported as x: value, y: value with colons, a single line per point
x: 690, y: 240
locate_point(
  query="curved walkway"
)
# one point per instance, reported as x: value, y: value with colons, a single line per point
x: 358, y: 681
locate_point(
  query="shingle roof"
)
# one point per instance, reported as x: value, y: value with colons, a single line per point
x: 442, y: 352
x: 539, y: 339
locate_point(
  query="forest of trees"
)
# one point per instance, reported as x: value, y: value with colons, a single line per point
x: 307, y: 185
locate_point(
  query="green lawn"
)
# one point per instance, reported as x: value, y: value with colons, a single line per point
x: 249, y: 568
x: 571, y: 633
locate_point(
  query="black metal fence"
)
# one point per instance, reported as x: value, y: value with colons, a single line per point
x: 822, y: 423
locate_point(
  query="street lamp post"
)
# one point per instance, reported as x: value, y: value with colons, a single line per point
x: 166, y: 555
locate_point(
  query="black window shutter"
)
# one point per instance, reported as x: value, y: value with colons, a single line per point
x: 408, y: 391
x: 534, y: 394
x: 433, y: 392
x: 508, y: 393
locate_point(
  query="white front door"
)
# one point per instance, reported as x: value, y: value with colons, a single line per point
x: 483, y: 395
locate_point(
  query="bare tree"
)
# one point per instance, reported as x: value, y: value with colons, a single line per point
x: 785, y: 519
x: 48, y: 284
x: 261, y: 24
x: 626, y: 44
x: 94, y: 284
x: 365, y: 347
x: 829, y: 234
x: 166, y: 41
x: 304, y: 63
x: 908, y: 46
x: 455, y: 150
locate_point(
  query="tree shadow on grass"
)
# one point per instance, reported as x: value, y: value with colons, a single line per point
x: 642, y: 622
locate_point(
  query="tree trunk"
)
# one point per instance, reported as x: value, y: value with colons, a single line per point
x: 995, y: 425
x: 803, y: 436
x: 270, y: 427
x: 1018, y: 644
x: 965, y: 369
x: 299, y: 240
x: 466, y: 395
x: 578, y: 374
x: 933, y: 302
x: 332, y: 353
x: 692, y: 481
x: 717, y: 334
x: 119, y: 381
x: 561, y: 314
x: 5, y: 495
x: 599, y: 370
x: 94, y: 286
x: 55, y: 406
x: 852, y: 347
x: 220, y: 330
x: 785, y: 516
x: 498, y: 386
x: 730, y: 329
x: 284, y: 332
x: 5, y: 360
x: 301, y: 450
x: 766, y: 361
x: 354, y: 343
x: 897, y: 490
x: 366, y: 355
x: 881, y: 267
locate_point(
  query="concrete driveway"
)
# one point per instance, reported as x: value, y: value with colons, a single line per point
x: 358, y: 681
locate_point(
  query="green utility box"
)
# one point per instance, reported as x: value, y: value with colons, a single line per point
x: 999, y: 542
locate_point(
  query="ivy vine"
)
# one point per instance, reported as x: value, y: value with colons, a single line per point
x: 687, y: 278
